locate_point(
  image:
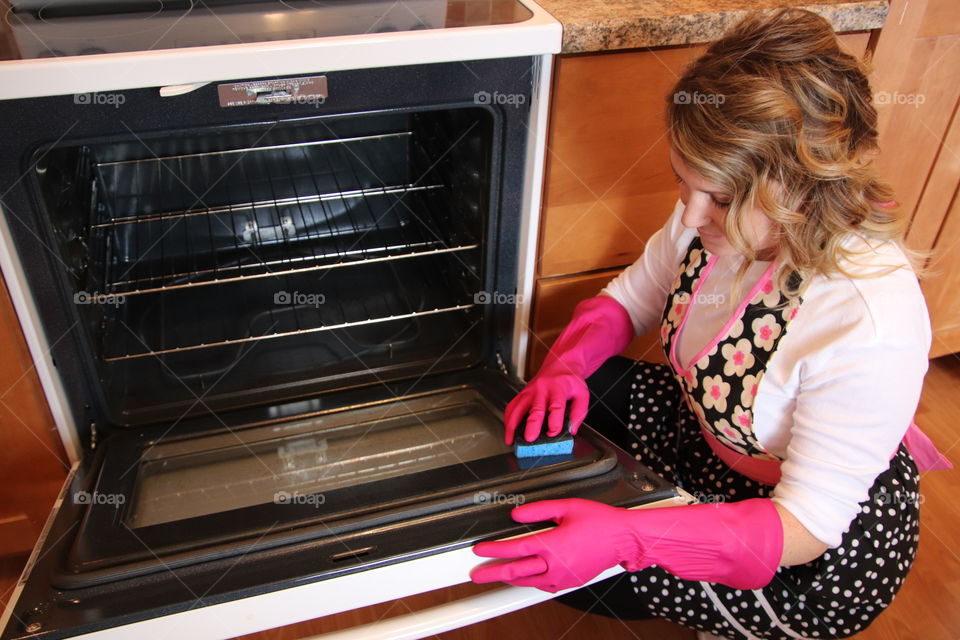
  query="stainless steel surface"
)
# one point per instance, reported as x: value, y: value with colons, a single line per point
x: 307, y: 90
x: 59, y: 28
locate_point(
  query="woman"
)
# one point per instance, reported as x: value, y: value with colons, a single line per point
x: 797, y: 338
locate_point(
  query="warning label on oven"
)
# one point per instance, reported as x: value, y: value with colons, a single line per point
x: 310, y: 90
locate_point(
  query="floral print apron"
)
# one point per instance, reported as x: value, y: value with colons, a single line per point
x: 721, y: 382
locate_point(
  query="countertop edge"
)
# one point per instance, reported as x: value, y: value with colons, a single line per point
x: 618, y: 32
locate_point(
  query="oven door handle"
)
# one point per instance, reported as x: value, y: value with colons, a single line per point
x: 453, y: 615
x: 473, y: 609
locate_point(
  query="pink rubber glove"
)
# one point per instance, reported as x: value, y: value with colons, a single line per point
x: 600, y: 328
x: 738, y: 544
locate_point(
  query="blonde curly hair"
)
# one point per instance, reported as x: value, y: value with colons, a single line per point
x: 780, y: 117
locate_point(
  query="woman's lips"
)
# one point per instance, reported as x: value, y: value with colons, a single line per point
x: 707, y: 234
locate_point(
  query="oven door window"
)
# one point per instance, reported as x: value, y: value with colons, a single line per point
x: 185, y: 500
x: 311, y: 468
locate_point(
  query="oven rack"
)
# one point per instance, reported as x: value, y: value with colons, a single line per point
x: 285, y: 334
x: 284, y: 258
x: 374, y: 306
x: 261, y: 212
x: 275, y: 203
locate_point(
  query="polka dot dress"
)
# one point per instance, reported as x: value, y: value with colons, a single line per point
x: 835, y: 596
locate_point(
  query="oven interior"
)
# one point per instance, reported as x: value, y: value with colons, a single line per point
x: 224, y: 267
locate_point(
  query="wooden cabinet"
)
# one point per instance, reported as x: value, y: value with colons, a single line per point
x: 917, y: 83
x: 608, y: 184
x: 33, y: 464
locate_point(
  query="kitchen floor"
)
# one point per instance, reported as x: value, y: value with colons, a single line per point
x: 925, y: 608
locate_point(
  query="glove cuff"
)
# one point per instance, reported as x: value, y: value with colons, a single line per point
x: 739, y: 544
x: 599, y: 329
x: 754, y: 544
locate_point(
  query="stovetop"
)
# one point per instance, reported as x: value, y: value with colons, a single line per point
x: 57, y: 28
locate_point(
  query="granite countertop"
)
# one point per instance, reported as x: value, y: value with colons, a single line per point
x: 597, y: 25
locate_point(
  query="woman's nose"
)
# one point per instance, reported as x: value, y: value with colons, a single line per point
x: 696, y: 213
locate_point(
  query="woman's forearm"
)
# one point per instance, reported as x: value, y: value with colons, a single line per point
x: 799, y: 545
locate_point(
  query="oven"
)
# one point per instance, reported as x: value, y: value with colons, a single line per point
x: 276, y: 293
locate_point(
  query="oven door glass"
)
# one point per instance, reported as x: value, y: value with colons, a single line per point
x: 185, y: 500
x: 304, y: 461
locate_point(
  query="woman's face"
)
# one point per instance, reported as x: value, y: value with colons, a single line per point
x: 706, y: 206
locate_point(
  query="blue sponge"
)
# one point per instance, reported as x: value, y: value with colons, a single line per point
x: 544, y: 446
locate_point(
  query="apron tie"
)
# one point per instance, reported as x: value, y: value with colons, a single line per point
x: 919, y: 446
x: 923, y: 451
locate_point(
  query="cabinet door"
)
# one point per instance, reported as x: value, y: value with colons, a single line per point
x: 940, y: 287
x: 609, y: 185
x: 939, y: 213
x: 33, y: 464
x: 608, y: 182
x: 917, y: 64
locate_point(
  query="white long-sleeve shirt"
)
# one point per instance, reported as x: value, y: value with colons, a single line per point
x: 841, y: 391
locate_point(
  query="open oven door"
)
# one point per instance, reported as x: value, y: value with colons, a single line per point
x: 299, y: 511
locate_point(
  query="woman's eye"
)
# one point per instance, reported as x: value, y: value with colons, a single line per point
x: 716, y: 203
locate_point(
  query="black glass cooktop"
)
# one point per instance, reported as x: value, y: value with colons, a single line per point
x: 55, y: 28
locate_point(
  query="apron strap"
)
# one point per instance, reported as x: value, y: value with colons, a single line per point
x: 923, y: 451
